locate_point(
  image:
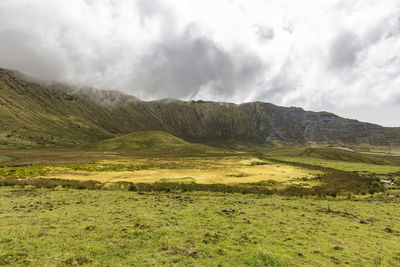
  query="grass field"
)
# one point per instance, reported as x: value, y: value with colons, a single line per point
x: 41, y: 227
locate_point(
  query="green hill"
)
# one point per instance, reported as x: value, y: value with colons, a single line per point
x: 150, y: 141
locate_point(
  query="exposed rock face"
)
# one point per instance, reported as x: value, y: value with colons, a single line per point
x: 34, y: 113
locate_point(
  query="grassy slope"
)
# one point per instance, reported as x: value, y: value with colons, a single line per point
x: 334, y: 158
x: 150, y: 141
x: 327, y: 153
x: 113, y: 228
x: 36, y: 115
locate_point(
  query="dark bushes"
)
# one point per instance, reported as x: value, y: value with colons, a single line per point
x: 340, y: 182
x: 332, y: 184
x: 51, y: 183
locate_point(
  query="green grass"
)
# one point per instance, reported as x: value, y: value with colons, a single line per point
x: 265, y: 259
x: 23, y: 172
x: 41, y: 227
x: 104, y: 167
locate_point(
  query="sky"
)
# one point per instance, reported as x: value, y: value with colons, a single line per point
x: 341, y: 56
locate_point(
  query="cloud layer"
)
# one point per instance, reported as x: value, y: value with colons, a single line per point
x: 338, y: 55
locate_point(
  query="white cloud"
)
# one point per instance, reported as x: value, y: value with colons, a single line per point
x: 339, y: 55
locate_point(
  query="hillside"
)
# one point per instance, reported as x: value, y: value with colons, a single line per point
x: 326, y: 153
x: 150, y: 141
x: 47, y: 114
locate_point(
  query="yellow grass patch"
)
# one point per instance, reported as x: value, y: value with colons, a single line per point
x: 200, y: 170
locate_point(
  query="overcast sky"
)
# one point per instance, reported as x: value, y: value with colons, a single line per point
x: 341, y: 56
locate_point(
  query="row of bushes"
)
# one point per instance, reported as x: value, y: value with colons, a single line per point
x: 333, y: 183
x: 51, y: 183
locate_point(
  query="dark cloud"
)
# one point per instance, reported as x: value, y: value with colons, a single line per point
x: 150, y: 8
x: 281, y: 86
x: 19, y: 49
x: 185, y: 64
x: 264, y: 33
x: 344, y: 49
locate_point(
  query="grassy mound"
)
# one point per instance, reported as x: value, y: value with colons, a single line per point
x: 150, y: 141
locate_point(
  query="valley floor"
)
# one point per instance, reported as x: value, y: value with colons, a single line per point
x: 291, y: 207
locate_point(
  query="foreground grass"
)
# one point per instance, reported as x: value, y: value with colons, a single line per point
x: 42, y: 227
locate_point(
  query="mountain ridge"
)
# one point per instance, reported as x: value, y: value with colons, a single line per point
x: 53, y: 114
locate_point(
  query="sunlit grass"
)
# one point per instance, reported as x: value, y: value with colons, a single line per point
x: 238, y: 169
